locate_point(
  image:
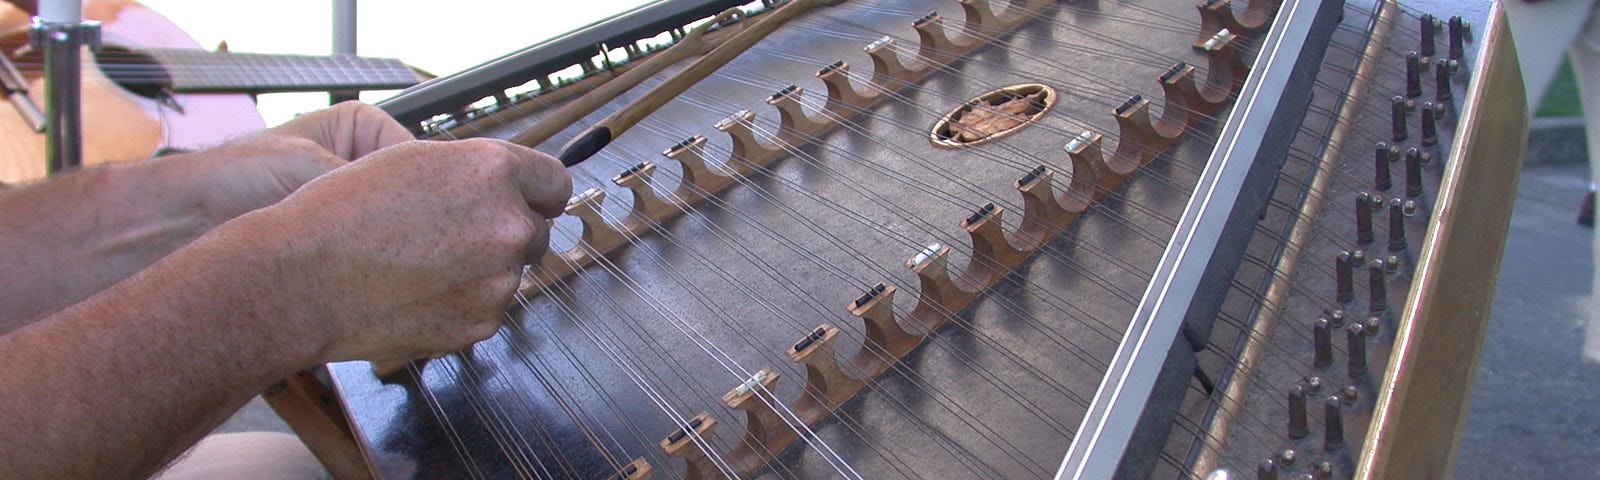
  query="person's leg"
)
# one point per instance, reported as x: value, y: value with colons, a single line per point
x: 246, y: 456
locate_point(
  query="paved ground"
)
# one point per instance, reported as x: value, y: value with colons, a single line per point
x: 1536, y: 403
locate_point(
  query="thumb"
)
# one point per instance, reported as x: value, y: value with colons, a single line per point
x: 349, y: 130
x: 301, y: 169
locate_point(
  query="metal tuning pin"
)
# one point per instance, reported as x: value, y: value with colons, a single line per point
x: 1441, y: 80
x: 1267, y: 470
x: 1457, y: 38
x: 1413, y: 75
x: 1358, y: 258
x: 1414, y: 158
x: 1397, y: 227
x: 1391, y: 265
x: 1322, y: 342
x: 1336, y: 317
x: 1332, y: 424
x: 1380, y: 167
x: 1344, y: 274
x: 1372, y: 326
x: 1376, y: 286
x: 1324, y: 471
x: 1350, y: 394
x: 1298, y: 428
x: 1397, y: 117
x: 1287, y: 458
x: 1357, y: 350
x: 1363, y: 219
x: 1427, y: 26
x: 1430, y: 128
x: 1314, y: 385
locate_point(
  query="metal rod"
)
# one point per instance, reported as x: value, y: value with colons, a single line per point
x: 61, y: 34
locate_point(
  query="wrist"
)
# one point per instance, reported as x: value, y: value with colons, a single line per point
x: 268, y: 271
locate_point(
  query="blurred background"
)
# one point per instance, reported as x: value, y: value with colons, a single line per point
x: 438, y: 37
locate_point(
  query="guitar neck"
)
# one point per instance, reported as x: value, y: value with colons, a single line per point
x: 198, y: 71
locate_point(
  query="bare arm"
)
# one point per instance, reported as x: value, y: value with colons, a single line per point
x: 64, y: 239
x: 416, y: 249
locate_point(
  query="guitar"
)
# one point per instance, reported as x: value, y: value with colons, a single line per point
x: 151, y: 87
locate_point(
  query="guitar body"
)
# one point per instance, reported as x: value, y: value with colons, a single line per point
x: 118, y: 125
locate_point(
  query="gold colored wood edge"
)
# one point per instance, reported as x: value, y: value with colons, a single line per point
x: 1235, y: 395
x: 1425, y: 392
x: 318, y: 418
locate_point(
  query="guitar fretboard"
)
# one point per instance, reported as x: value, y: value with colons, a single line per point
x: 194, y: 71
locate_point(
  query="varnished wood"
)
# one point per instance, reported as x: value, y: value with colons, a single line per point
x: 117, y: 125
x: 313, y: 411
x: 1417, y: 424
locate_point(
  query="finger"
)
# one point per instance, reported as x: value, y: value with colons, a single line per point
x: 295, y: 171
x: 350, y: 130
x: 544, y: 182
x: 538, y: 242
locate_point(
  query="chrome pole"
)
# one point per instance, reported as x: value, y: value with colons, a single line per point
x: 61, y: 32
x: 344, y: 40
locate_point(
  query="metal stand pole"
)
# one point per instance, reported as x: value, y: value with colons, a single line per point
x: 344, y: 41
x: 62, y: 44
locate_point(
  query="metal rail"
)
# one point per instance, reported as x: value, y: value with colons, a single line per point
x: 1210, y: 237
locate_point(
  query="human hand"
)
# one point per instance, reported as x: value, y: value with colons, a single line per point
x: 257, y: 170
x: 415, y: 250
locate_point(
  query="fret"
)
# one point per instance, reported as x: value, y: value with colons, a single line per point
x: 202, y: 71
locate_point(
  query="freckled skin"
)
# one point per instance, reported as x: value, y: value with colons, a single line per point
x: 129, y: 326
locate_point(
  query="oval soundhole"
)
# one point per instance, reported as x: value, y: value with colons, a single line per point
x: 993, y: 115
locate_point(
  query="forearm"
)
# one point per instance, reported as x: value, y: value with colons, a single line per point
x: 63, y: 240
x: 117, y: 385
